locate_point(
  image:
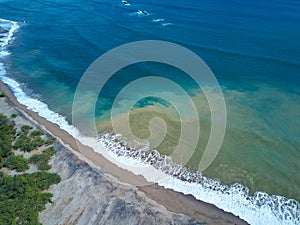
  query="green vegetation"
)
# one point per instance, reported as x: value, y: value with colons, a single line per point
x: 7, y: 134
x: 23, y: 196
x: 49, y: 141
x: 29, y: 141
x: 36, y: 133
x: 26, y: 128
x: 41, y: 160
x: 16, y: 162
x: 13, y: 116
x: 2, y: 94
x: 50, y: 151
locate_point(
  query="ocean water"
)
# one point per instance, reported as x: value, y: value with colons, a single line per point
x: 252, y: 48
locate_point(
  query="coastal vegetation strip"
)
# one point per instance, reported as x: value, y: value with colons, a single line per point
x: 22, y: 193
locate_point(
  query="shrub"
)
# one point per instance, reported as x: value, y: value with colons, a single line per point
x: 27, y: 142
x: 44, y: 166
x: 37, y: 142
x: 2, y: 94
x: 13, y: 116
x: 38, y: 158
x: 17, y: 162
x: 22, y: 197
x: 22, y: 140
x: 41, y: 160
x: 26, y: 128
x: 28, y: 146
x: 7, y: 134
x: 49, y: 141
x: 36, y: 133
x: 50, y: 151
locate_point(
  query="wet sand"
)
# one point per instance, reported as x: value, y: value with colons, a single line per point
x: 173, y: 201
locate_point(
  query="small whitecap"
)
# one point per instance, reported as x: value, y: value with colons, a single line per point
x: 158, y: 20
x: 140, y: 13
x: 166, y: 24
x: 125, y: 2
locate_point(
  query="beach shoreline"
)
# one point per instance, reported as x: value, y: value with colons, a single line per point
x: 173, y: 201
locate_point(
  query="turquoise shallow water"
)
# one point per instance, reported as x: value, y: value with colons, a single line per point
x: 252, y: 48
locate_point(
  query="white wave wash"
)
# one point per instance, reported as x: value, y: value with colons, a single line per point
x: 7, y: 37
x: 258, y: 209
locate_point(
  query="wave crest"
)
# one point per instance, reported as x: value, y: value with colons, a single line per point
x: 261, y: 208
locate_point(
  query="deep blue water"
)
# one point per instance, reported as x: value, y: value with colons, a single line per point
x: 243, y: 43
x: 252, y: 47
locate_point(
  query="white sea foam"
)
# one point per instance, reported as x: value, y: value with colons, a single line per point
x: 158, y: 20
x: 8, y: 36
x: 162, y: 22
x: 258, y: 209
x: 125, y: 2
x: 140, y: 13
x: 166, y: 24
x: 4, y: 53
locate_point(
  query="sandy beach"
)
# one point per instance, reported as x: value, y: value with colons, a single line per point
x: 172, y: 201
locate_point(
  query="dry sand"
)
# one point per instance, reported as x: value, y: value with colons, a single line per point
x: 173, y: 201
